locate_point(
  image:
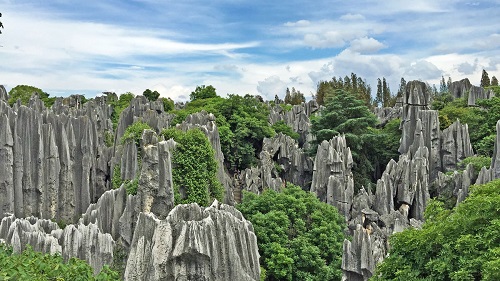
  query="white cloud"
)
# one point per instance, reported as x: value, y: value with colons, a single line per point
x: 366, y: 45
x: 329, y: 33
x: 271, y: 86
x: 352, y: 17
x: 422, y: 70
x: 467, y: 68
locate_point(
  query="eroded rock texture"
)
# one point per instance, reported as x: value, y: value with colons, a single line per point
x: 332, y: 179
x: 297, y: 118
x: 193, y: 243
x: 51, y: 167
x: 459, y: 89
x: 478, y: 93
x: 280, y: 161
x: 85, y: 242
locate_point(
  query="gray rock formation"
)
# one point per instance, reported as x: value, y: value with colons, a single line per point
x: 3, y: 93
x: 85, y: 242
x: 459, y: 89
x: 478, y: 93
x: 332, y: 179
x: 193, y: 243
x: 140, y: 108
x: 280, y: 161
x: 415, y: 99
x: 297, y: 118
x: 455, y: 145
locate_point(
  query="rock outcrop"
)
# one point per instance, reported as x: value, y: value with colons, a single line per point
x: 85, y: 242
x: 193, y: 243
x: 297, y: 118
x: 280, y: 161
x: 478, y: 93
x: 459, y: 89
x: 332, y: 179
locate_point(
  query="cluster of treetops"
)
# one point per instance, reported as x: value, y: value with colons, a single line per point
x: 299, y: 237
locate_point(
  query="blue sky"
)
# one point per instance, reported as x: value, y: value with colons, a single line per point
x: 255, y: 47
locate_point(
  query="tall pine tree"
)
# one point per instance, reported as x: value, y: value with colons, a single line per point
x: 379, y: 99
x: 494, y: 81
x: 485, y: 79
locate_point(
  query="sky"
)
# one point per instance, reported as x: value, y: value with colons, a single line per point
x: 242, y: 47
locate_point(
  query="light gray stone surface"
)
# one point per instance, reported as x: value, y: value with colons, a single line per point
x: 194, y: 243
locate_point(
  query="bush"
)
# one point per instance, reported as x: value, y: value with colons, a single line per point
x: 31, y: 265
x: 194, y: 168
x: 134, y: 133
x: 24, y: 93
x: 282, y: 127
x: 462, y: 244
x: 299, y: 237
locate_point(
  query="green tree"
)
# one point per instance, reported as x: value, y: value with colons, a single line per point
x: 353, y: 84
x: 379, y: 99
x: 282, y: 127
x: 387, y: 98
x: 203, y: 92
x: 344, y: 114
x: 299, y: 237
x: 485, y: 79
x: 31, y: 265
x: 324, y: 89
x: 194, y: 168
x: 151, y: 95
x: 494, y: 81
x: 294, y: 97
x: 168, y: 104
x: 402, y: 88
x: 24, y: 93
x: 442, y: 86
x: 242, y: 123
x: 462, y: 244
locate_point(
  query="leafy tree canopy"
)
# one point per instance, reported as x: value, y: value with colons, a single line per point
x: 462, y: 244
x: 299, y: 237
x: 31, y: 265
x: 203, y: 92
x: 282, y: 127
x: 345, y: 114
x: 24, y: 93
x: 294, y: 97
x: 151, y: 95
x: 242, y: 124
x: 194, y: 168
x: 353, y: 84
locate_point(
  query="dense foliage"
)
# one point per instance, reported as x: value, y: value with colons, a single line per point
x: 481, y: 120
x: 299, y: 237
x: 151, y: 95
x: 462, y: 244
x: 134, y: 133
x: 282, y: 127
x: 294, y: 97
x: 194, y: 168
x: 371, y: 148
x: 242, y: 123
x: 203, y: 92
x: 353, y: 84
x: 31, y: 265
x: 24, y: 93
